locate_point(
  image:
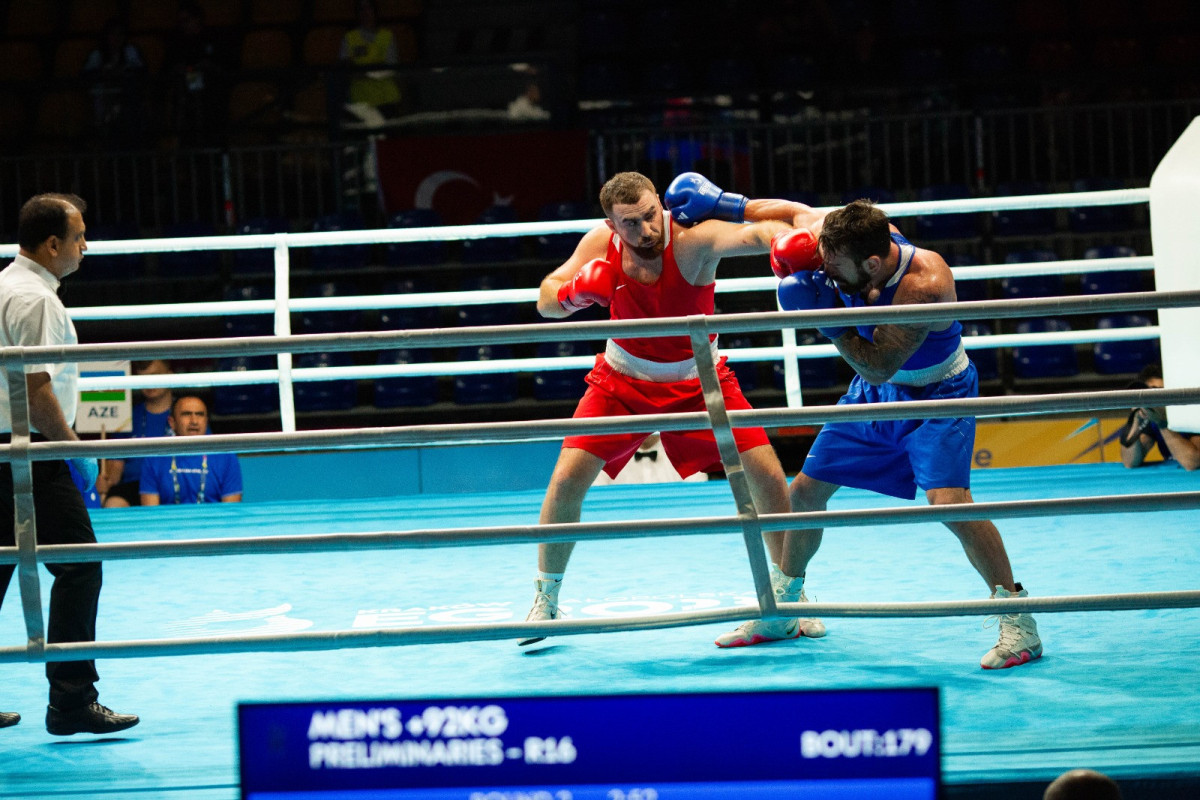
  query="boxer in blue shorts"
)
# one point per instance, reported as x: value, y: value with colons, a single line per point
x: 855, y: 257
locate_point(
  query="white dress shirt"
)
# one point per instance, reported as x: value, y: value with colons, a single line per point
x: 31, y: 315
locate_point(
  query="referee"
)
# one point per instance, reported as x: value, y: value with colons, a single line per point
x: 51, y: 238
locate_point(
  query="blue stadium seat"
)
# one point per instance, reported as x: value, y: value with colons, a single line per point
x: 255, y: 398
x: 248, y: 324
x: 407, y: 392
x: 815, y: 373
x: 493, y: 248
x: 338, y: 395
x: 560, y: 384
x: 258, y: 259
x: 490, y: 313
x: 403, y: 254
x: 1044, y: 361
x: 331, y: 321
x: 968, y: 290
x: 1099, y: 219
x: 495, y: 387
x: 1024, y: 222
x: 1114, y: 358
x: 339, y: 257
x: 1031, y: 285
x: 399, y: 319
x: 986, y: 361
x: 946, y: 226
x: 746, y: 371
x: 189, y: 263
x: 1111, y: 282
x: 560, y: 246
x: 113, y: 266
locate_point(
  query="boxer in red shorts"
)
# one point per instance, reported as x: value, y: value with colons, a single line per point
x: 645, y: 263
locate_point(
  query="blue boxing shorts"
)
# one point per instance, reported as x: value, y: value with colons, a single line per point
x: 895, y: 457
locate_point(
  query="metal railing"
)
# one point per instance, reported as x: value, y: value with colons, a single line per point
x: 978, y: 150
x: 789, y: 351
x: 210, y: 186
x: 27, y: 555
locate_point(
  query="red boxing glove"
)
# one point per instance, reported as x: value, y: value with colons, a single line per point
x: 794, y: 251
x: 596, y: 282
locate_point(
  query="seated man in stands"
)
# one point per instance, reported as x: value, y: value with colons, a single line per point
x: 1147, y: 427
x: 183, y: 479
x: 120, y: 479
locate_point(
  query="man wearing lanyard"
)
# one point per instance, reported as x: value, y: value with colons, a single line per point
x: 51, y: 235
x: 185, y: 479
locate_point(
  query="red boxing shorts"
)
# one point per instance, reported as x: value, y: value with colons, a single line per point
x: 614, y: 394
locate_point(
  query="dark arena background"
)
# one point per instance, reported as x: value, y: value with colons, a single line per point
x: 380, y: 565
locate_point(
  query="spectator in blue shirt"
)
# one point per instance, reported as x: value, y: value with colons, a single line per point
x: 184, y: 479
x: 121, y: 479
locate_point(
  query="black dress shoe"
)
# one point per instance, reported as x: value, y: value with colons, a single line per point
x: 9, y: 718
x: 89, y: 719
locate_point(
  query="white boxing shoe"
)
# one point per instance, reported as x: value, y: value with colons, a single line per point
x: 545, y: 607
x: 758, y: 631
x: 1019, y: 641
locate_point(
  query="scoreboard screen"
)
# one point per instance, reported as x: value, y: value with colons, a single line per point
x: 800, y: 745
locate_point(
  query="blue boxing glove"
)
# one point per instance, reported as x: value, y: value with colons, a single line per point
x: 808, y: 291
x: 88, y: 469
x: 693, y: 198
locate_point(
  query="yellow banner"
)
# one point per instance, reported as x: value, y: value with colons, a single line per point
x: 1039, y: 443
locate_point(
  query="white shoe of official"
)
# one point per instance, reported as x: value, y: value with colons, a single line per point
x: 545, y: 607
x: 1019, y: 641
x: 758, y: 631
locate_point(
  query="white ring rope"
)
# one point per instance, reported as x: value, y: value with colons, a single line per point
x: 21, y: 452
x: 628, y: 529
x: 503, y: 432
x: 500, y: 296
x: 576, y: 331
x: 282, y: 305
x: 392, y: 637
x: 512, y: 229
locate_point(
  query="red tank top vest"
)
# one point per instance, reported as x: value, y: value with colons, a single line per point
x: 669, y: 296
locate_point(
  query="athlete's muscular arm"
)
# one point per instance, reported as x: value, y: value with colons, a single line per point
x: 877, y: 361
x: 798, y: 215
x: 593, y: 245
x: 700, y: 248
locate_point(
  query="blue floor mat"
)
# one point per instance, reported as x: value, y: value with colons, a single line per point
x: 1116, y: 691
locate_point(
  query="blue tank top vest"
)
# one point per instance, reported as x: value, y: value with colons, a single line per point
x: 938, y: 345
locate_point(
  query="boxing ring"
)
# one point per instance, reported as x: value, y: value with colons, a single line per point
x: 195, y: 618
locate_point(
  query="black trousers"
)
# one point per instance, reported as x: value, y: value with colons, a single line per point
x: 74, y: 598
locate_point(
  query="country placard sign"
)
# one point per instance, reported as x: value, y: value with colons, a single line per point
x: 104, y: 411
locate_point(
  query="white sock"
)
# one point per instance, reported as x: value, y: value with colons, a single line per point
x: 549, y: 583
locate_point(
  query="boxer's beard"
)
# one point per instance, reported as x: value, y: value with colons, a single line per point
x: 651, y: 251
